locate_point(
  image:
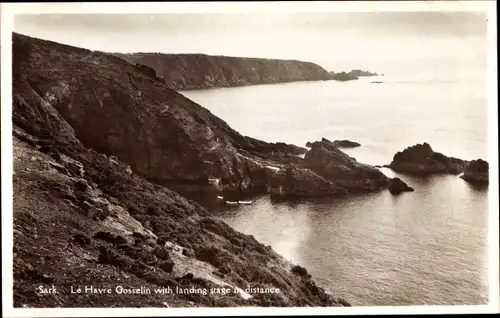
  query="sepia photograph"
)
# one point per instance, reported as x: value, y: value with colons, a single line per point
x: 263, y: 156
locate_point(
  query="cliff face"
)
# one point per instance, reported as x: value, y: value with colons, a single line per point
x: 81, y: 120
x: 195, y: 71
x: 421, y: 159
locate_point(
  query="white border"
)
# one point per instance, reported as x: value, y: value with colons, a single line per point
x: 493, y: 221
x: 8, y: 11
x: 248, y: 7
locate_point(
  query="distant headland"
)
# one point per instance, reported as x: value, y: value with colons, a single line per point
x: 199, y: 71
x: 349, y: 76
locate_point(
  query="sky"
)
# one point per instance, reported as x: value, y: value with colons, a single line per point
x: 385, y: 42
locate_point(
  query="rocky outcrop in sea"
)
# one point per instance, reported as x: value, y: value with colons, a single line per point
x: 346, y: 144
x: 476, y: 172
x: 421, y: 159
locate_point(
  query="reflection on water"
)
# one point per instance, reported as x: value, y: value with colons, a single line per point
x: 380, y: 249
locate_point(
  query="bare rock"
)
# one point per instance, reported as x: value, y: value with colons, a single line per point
x: 346, y: 144
x: 477, y: 172
x: 325, y: 159
x: 167, y: 266
x: 396, y: 186
x: 421, y: 159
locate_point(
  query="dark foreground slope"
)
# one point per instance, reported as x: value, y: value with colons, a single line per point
x: 80, y: 219
x: 84, y: 218
x: 195, y: 71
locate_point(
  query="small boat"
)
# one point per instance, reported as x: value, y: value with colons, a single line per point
x: 245, y: 202
x: 220, y: 198
x: 376, y: 82
x: 232, y: 202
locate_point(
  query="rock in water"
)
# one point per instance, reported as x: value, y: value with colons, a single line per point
x: 346, y: 144
x: 397, y: 186
x: 336, y: 143
x: 422, y: 160
x: 477, y: 172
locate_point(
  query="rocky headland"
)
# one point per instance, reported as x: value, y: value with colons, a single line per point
x: 397, y: 186
x: 197, y: 71
x: 102, y: 149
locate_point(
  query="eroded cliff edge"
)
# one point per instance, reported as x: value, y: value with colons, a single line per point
x: 196, y: 71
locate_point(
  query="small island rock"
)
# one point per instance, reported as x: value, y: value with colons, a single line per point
x: 346, y: 144
x: 396, y: 186
x: 422, y: 160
